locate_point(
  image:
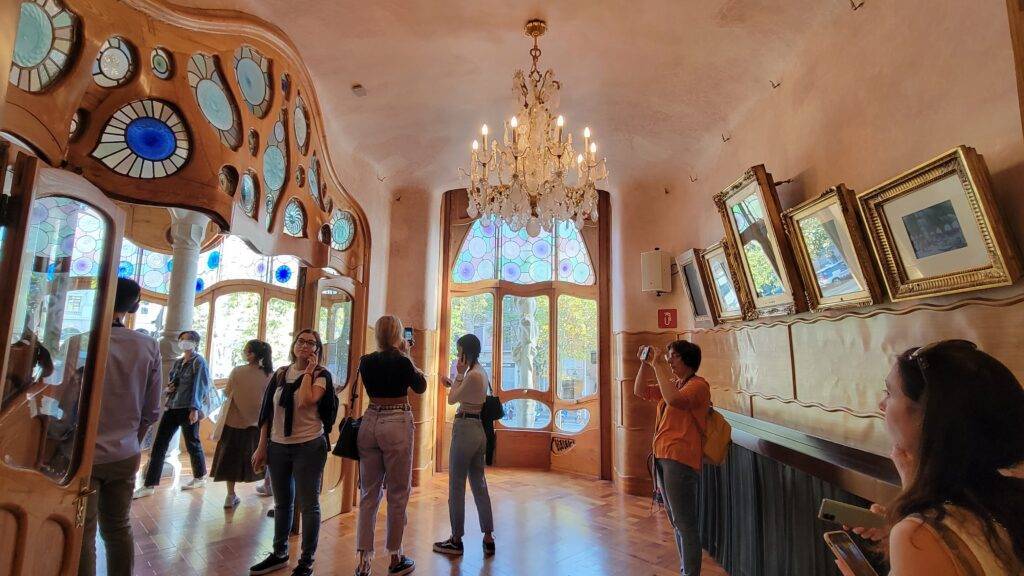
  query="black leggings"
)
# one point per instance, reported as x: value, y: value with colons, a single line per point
x: 173, y: 419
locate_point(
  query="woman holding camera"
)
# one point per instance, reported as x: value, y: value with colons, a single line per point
x: 468, y: 449
x: 386, y: 441
x: 954, y: 415
x: 683, y: 400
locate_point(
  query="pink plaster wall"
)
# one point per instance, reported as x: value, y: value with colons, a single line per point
x: 413, y: 282
x: 874, y: 93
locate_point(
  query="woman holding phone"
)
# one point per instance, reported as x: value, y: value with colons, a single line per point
x: 954, y: 415
x: 468, y: 448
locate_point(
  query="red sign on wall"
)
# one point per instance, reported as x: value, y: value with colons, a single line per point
x: 667, y: 318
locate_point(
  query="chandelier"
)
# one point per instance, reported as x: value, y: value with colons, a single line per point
x: 534, y: 177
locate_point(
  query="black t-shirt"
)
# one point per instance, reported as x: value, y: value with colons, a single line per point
x: 390, y: 374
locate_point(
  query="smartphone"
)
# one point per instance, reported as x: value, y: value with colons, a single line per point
x: 645, y: 353
x: 849, y: 515
x: 845, y: 549
x: 408, y: 336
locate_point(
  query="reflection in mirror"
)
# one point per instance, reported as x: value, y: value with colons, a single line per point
x: 280, y: 325
x: 526, y: 343
x: 830, y: 249
x: 748, y: 216
x: 149, y: 319
x: 727, y: 298
x: 56, y: 308
x: 334, y: 322
x: 236, y: 318
x: 692, y: 277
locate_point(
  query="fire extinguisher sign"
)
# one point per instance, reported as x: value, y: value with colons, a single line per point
x: 667, y: 318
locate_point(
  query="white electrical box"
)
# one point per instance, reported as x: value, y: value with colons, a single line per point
x: 656, y: 271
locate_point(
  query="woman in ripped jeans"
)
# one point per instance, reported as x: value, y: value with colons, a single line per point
x: 385, y: 443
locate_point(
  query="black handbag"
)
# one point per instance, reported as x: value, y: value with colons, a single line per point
x: 492, y: 409
x: 348, y: 438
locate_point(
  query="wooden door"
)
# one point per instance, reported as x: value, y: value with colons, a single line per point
x: 58, y: 259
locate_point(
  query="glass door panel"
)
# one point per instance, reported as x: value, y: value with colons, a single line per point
x: 577, y: 347
x: 526, y: 343
x: 334, y: 322
x: 150, y: 318
x: 472, y: 315
x: 280, y: 325
x: 236, y: 320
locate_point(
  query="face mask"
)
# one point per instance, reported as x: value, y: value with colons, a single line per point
x: 187, y: 345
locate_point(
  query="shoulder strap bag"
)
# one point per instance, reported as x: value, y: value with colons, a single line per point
x: 492, y: 409
x: 348, y: 431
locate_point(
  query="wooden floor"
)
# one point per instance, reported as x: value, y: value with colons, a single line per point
x: 546, y: 524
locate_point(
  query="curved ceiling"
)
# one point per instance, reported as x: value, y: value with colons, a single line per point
x: 658, y: 81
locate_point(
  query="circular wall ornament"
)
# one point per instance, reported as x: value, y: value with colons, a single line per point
x: 43, y: 44
x: 313, y: 178
x: 144, y: 139
x: 343, y: 230
x: 252, y: 71
x: 294, y: 219
x: 214, y: 99
x: 161, y: 63
x: 275, y: 164
x: 250, y: 193
x: 300, y: 123
x: 114, y: 64
x: 254, y: 142
x: 227, y: 179
x: 300, y: 176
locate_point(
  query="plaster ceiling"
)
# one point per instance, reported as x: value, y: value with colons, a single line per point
x: 658, y: 81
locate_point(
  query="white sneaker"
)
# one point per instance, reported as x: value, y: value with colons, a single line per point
x: 232, y: 501
x: 143, y: 492
x: 194, y: 483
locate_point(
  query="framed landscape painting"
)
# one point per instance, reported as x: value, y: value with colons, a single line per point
x: 695, y: 283
x: 765, y: 266
x: 937, y: 230
x: 726, y: 301
x: 831, y: 252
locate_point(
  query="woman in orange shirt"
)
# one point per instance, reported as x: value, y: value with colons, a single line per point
x: 683, y: 400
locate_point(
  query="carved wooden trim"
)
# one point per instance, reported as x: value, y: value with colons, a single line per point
x: 831, y: 409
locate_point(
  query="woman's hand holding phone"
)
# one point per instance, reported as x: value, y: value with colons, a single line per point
x: 873, y: 534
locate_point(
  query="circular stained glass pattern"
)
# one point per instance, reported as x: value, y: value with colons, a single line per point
x: 343, y: 230
x: 200, y: 284
x: 114, y: 64
x: 294, y: 219
x: 144, y: 139
x: 313, y: 178
x: 250, y: 193
x: 214, y: 100
x: 161, y: 63
x: 300, y: 123
x: 213, y: 260
x: 275, y: 165
x: 283, y: 274
x: 252, y: 71
x: 125, y: 269
x: 274, y: 168
x: 42, y: 45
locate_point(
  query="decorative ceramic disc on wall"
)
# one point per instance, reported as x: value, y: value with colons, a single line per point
x: 144, y: 139
x: 294, y: 219
x: 250, y: 192
x: 115, y: 63
x: 343, y: 230
x: 214, y: 100
x: 252, y: 71
x: 43, y: 44
x: 300, y: 122
x: 275, y: 164
x: 313, y: 178
x: 254, y: 142
x: 77, y: 123
x: 161, y: 62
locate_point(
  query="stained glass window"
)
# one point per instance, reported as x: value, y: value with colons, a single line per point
x: 86, y: 237
x: 144, y: 139
x: 161, y: 63
x: 300, y: 123
x: 573, y: 258
x: 294, y: 219
x: 235, y: 321
x: 526, y: 343
x: 250, y: 197
x: 46, y: 36
x: 526, y: 413
x: 275, y: 165
x: 343, y: 230
x: 520, y: 258
x: 114, y: 64
x: 214, y: 99
x: 252, y: 71
x: 477, y: 260
x: 155, y: 271
x: 572, y: 421
x: 313, y: 179
x: 128, y: 266
x: 525, y: 259
x: 577, y: 347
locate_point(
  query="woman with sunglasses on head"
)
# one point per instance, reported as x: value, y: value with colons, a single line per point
x: 954, y: 415
x: 385, y: 443
x: 293, y: 444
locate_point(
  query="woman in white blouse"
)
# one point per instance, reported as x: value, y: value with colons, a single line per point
x: 468, y: 449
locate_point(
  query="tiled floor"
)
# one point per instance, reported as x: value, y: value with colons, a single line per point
x: 546, y: 524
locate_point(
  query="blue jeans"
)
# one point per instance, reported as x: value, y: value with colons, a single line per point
x: 295, y: 474
x: 385, y: 460
x: 466, y: 458
x: 680, y: 487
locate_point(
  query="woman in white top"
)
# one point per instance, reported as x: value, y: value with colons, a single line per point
x: 468, y: 449
x: 293, y: 443
x: 954, y: 415
x: 239, y: 432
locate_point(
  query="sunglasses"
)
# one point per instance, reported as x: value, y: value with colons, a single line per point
x: 921, y: 354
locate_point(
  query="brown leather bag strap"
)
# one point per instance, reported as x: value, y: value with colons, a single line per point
x: 966, y: 562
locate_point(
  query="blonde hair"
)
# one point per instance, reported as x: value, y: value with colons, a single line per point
x: 388, y: 332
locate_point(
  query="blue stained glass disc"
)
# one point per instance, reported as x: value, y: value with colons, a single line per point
x: 214, y: 104
x: 252, y: 81
x: 273, y: 168
x: 125, y: 269
x: 150, y: 138
x: 283, y: 274
x: 343, y: 231
x: 34, y: 37
x: 213, y: 260
x: 248, y: 193
x: 200, y: 284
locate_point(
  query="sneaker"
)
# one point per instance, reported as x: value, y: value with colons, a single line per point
x: 405, y: 566
x: 271, y: 563
x: 143, y: 492
x: 489, y: 548
x: 450, y: 547
x: 232, y: 501
x: 194, y: 483
x: 303, y: 569
x: 264, y: 490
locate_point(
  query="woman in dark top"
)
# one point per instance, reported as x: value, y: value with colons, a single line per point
x: 385, y: 443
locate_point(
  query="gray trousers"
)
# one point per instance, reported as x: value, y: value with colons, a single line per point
x: 466, y: 458
x: 680, y: 487
x: 109, y: 505
x: 385, y: 458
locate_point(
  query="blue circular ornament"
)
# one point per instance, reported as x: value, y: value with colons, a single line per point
x: 283, y: 274
x: 125, y: 269
x: 213, y: 260
x: 200, y: 284
x: 151, y: 139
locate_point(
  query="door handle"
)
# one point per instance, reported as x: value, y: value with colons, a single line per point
x: 82, y: 501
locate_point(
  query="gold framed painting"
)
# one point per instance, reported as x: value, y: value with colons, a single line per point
x: 727, y: 303
x: 937, y: 230
x: 766, y: 269
x: 831, y: 252
x: 695, y: 283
